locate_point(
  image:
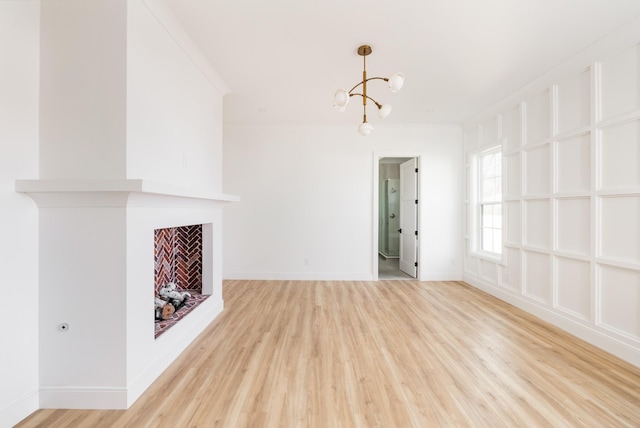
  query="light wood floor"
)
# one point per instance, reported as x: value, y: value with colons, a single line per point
x: 366, y: 354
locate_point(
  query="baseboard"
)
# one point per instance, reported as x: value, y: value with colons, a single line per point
x: 330, y: 276
x: 299, y: 276
x: 83, y: 398
x: 444, y: 276
x: 173, y: 342
x: 20, y: 409
x: 582, y: 331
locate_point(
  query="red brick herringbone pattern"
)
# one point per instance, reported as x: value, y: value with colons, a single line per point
x: 178, y: 257
x: 164, y: 255
x: 188, y: 271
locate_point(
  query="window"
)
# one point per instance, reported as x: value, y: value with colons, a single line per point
x: 489, y: 200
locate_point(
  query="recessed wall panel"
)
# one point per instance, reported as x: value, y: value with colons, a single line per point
x: 574, y: 286
x: 620, y: 156
x: 514, y: 189
x: 574, y: 102
x: 489, y: 271
x: 574, y: 225
x: 537, y: 171
x: 512, y: 128
x: 538, y: 123
x: 537, y: 228
x: 573, y: 164
x: 619, y: 304
x: 621, y: 83
x: 537, y: 284
x: 512, y: 272
x: 620, y: 228
x: 514, y: 222
x: 490, y: 131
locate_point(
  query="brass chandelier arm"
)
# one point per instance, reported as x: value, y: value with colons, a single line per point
x: 386, y: 79
x: 366, y: 96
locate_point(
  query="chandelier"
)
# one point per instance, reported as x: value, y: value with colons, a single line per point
x: 342, y: 97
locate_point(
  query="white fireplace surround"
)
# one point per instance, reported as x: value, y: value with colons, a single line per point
x: 96, y: 276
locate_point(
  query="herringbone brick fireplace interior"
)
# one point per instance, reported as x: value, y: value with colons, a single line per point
x: 178, y: 259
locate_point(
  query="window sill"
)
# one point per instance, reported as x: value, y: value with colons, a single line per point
x: 490, y: 257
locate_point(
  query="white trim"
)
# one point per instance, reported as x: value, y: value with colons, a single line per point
x: 20, y: 408
x: 587, y: 333
x: 473, y: 221
x: 83, y: 398
x: 112, y: 186
x: 300, y: 276
x: 377, y: 155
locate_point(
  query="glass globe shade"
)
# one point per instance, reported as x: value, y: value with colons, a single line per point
x: 341, y: 98
x: 384, y: 111
x: 396, y: 81
x: 365, y: 129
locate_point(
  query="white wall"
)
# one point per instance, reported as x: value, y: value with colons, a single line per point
x: 83, y: 89
x: 174, y: 113
x: 308, y: 197
x: 19, y: 40
x: 571, y: 148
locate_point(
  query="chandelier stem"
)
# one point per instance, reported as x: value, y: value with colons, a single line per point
x: 364, y: 87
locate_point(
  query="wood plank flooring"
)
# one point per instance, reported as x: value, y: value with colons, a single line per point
x: 377, y: 354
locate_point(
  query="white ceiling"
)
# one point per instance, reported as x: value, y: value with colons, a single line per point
x: 284, y: 59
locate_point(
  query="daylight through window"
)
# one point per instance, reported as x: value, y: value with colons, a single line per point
x: 490, y: 201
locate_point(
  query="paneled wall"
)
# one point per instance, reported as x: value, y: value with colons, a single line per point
x: 571, y: 200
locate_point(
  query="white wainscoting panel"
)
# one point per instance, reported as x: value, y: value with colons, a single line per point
x: 574, y: 225
x: 573, y: 164
x: 573, y: 285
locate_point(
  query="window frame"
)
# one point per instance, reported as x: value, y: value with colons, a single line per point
x: 476, y: 225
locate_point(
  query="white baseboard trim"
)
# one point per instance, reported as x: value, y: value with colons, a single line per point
x: 444, y: 276
x: 20, y: 409
x: 330, y: 276
x: 587, y: 333
x: 83, y: 398
x: 299, y: 276
x: 173, y: 342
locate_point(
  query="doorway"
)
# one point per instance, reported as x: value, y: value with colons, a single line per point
x: 397, y: 218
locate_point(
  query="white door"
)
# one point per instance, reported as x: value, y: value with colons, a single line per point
x: 409, y: 217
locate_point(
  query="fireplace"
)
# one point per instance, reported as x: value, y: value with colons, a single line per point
x: 177, y: 262
x: 97, y: 245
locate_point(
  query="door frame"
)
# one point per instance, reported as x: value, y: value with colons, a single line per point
x: 377, y: 155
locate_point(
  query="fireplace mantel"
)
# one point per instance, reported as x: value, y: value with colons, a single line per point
x: 128, y: 186
x: 97, y: 244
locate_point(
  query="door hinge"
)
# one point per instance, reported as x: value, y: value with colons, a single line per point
x: 416, y: 264
x: 416, y: 169
x: 416, y: 233
x: 399, y: 230
x: 416, y: 202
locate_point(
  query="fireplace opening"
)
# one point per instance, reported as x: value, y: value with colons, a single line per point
x: 177, y: 273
